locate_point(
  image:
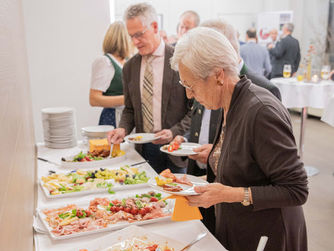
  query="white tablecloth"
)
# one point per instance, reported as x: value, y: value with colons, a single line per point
x: 328, y: 115
x: 182, y: 231
x: 300, y: 94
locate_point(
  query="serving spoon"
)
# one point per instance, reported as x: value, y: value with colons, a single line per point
x: 198, y: 238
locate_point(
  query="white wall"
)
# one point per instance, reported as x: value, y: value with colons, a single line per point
x: 63, y: 38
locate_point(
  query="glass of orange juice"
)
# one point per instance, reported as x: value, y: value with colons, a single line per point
x: 286, y: 71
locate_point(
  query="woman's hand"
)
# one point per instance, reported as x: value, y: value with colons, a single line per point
x: 215, y: 193
x: 116, y: 136
x: 203, y: 153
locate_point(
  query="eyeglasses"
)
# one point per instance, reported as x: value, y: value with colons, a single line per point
x: 185, y: 86
x: 138, y: 34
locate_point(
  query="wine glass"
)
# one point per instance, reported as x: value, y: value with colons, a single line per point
x: 325, y: 72
x: 286, y: 71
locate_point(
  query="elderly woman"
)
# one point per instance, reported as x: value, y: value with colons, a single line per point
x: 260, y: 183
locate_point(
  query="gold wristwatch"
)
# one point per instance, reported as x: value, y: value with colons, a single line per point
x: 246, y: 201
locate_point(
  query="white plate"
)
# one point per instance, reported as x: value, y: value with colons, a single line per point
x: 108, y: 240
x: 186, y: 149
x: 110, y: 227
x: 187, y: 190
x: 150, y: 173
x: 91, y: 164
x: 146, y: 138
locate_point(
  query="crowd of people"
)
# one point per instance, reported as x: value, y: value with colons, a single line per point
x: 206, y: 88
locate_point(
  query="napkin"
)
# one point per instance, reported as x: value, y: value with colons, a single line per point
x: 182, y: 210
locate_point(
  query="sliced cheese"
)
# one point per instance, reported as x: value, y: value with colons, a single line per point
x: 98, y: 144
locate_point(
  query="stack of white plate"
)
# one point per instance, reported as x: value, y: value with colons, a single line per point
x: 59, y: 127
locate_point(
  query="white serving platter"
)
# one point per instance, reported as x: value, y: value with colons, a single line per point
x: 85, y: 203
x: 111, y: 240
x: 91, y: 164
x: 150, y: 173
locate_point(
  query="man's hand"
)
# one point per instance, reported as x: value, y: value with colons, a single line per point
x: 116, y: 136
x: 203, y: 153
x: 215, y: 193
x: 270, y: 46
x: 166, y: 136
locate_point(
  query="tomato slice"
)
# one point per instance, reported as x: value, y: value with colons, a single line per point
x: 175, y: 146
x: 170, y: 148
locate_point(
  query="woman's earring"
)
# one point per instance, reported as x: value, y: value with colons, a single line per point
x: 219, y: 82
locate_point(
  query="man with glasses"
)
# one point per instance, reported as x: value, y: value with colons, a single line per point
x: 154, y: 101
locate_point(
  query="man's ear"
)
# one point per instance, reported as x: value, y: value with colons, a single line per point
x: 155, y: 27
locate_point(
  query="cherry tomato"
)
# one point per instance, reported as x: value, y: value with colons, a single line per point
x: 175, y: 146
x: 142, y: 211
x: 88, y: 213
x: 153, y: 199
x: 134, y: 211
x: 147, y: 209
x: 87, y: 158
x: 127, y: 210
x: 170, y: 148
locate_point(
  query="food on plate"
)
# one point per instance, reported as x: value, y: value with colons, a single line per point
x: 99, y: 144
x: 102, y: 178
x: 172, y: 147
x: 139, y: 243
x: 103, y: 212
x: 137, y: 138
x: 183, y: 180
x: 169, y: 182
x: 94, y: 155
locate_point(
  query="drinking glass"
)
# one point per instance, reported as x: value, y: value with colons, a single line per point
x: 325, y: 72
x: 287, y: 71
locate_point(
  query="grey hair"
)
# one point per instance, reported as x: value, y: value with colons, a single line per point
x: 226, y: 29
x: 289, y: 27
x: 144, y: 11
x: 203, y: 51
x: 193, y: 14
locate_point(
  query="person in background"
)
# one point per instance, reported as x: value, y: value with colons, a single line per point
x: 286, y: 51
x: 188, y: 20
x: 259, y: 180
x: 204, y: 122
x: 273, y: 36
x: 331, y: 75
x: 106, y: 81
x: 256, y: 57
x: 154, y: 101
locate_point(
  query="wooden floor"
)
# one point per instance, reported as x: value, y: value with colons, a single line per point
x: 319, y: 208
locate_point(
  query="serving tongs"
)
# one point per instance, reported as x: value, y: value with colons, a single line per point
x: 116, y: 149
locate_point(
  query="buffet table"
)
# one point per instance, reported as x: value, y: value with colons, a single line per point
x: 183, y: 232
x: 328, y: 115
x: 302, y: 95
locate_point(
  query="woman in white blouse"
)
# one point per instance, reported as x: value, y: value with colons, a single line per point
x: 106, y: 83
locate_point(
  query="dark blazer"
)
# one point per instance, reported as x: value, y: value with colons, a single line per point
x: 175, y: 107
x: 259, y: 151
x: 286, y: 51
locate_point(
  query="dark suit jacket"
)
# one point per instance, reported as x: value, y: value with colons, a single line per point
x: 175, y: 108
x: 259, y: 151
x: 286, y: 51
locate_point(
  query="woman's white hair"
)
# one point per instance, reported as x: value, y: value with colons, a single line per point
x: 204, y: 51
x: 144, y: 11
